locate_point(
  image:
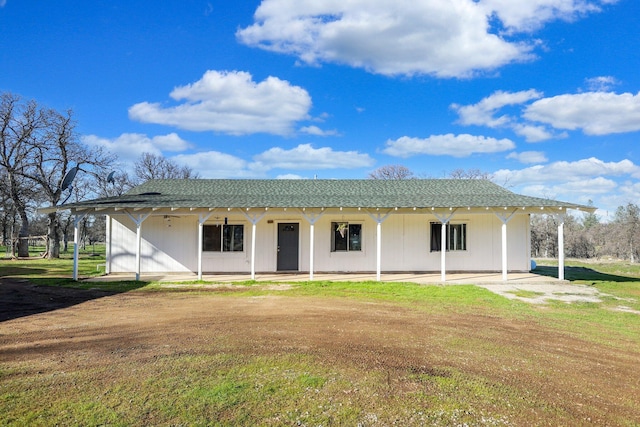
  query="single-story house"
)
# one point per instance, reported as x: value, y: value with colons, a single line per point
x: 248, y: 226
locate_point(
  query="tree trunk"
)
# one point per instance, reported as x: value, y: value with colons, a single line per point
x: 23, y: 236
x: 53, y: 242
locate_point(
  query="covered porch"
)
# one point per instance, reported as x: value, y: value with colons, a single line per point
x: 443, y: 227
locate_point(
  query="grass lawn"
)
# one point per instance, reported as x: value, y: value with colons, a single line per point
x: 59, y: 272
x: 322, y: 353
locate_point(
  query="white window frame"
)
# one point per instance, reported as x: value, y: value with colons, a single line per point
x: 348, y: 249
x: 221, y: 243
x: 451, y: 243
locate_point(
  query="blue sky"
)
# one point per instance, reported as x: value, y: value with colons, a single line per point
x: 543, y: 94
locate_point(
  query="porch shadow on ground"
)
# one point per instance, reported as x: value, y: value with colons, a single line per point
x: 583, y: 274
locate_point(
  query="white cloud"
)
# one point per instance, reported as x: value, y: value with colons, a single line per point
x: 304, y: 156
x: 482, y: 113
x: 595, y: 113
x: 606, y: 184
x: 529, y: 157
x: 3, y: 3
x: 628, y: 192
x: 601, y: 83
x: 535, y: 133
x: 597, y: 185
x: 322, y: 117
x: 450, y: 145
x: 290, y: 176
x: 214, y: 164
x: 530, y: 15
x: 170, y: 142
x: 315, y: 130
x: 130, y: 146
x: 230, y: 102
x: 567, y: 172
x: 444, y: 38
x: 592, y: 190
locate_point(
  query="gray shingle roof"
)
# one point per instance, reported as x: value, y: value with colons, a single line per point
x: 238, y: 193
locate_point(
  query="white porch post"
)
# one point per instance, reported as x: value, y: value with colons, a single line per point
x: 560, y: 247
x: 76, y: 242
x: 253, y: 219
x: 202, y: 218
x: 443, y: 252
x: 312, y: 218
x: 312, y: 227
x: 108, y: 225
x: 253, y: 251
x: 138, y: 248
x: 75, y: 248
x: 138, y: 220
x: 378, y: 251
x: 504, y: 251
x: 504, y: 217
x: 200, y: 247
x: 379, y: 219
x: 444, y: 219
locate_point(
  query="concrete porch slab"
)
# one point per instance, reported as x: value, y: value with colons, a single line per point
x: 423, y: 278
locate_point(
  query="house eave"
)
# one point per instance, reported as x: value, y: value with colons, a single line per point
x: 197, y: 210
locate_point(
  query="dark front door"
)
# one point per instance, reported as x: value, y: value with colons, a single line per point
x: 288, y: 246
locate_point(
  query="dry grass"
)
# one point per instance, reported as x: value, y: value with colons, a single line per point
x: 322, y: 354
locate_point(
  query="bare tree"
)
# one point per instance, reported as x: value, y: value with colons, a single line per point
x: 391, y: 172
x: 469, y: 174
x: 19, y: 125
x: 52, y: 156
x: 544, y: 236
x: 578, y: 241
x: 38, y: 146
x: 151, y: 166
x: 7, y: 211
x: 114, y: 184
x: 627, y: 231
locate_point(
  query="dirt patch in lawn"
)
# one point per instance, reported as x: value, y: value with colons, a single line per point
x: 556, y: 378
x: 540, y: 293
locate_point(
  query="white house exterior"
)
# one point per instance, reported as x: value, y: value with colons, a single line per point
x: 171, y: 244
x: 249, y: 226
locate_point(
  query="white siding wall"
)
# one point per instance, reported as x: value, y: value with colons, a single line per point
x: 405, y: 244
x: 364, y: 260
x: 164, y: 248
